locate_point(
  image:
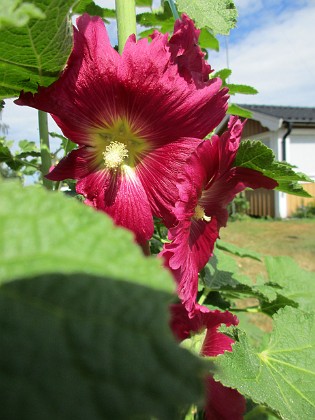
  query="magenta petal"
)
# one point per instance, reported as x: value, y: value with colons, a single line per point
x: 158, y: 172
x: 162, y: 101
x: 223, y: 403
x: 183, y: 325
x: 77, y: 164
x: 83, y: 96
x: 186, y: 52
x: 202, y: 239
x: 159, y: 92
x: 123, y: 198
x: 191, y: 247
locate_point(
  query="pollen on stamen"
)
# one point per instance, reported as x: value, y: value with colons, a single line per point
x: 114, y: 154
x: 200, y: 214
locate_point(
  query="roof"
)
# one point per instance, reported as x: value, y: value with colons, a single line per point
x: 287, y: 113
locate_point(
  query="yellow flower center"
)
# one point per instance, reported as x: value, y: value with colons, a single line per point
x: 200, y: 214
x: 119, y: 144
x: 114, y: 154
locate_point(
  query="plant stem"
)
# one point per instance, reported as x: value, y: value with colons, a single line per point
x: 126, y: 21
x: 44, y: 148
x: 27, y: 163
x: 173, y: 9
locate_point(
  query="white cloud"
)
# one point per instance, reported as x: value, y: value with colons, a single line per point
x: 23, y: 123
x: 278, y: 59
x: 248, y: 6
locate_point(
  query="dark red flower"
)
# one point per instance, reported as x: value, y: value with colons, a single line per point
x: 207, y: 184
x: 136, y: 117
x: 222, y: 403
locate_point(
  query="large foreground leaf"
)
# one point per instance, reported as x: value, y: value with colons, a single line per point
x: 83, y: 317
x: 42, y: 232
x: 84, y: 347
x: 218, y: 15
x: 280, y: 375
x: 36, y: 52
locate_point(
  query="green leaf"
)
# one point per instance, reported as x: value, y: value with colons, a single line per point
x: 236, y: 250
x: 36, y: 237
x: 27, y: 146
x: 223, y: 74
x: 222, y: 274
x: 280, y: 375
x: 13, y: 13
x: 255, y: 155
x: 5, y: 153
x: 88, y: 6
x: 218, y: 15
x: 99, y: 332
x: 143, y: 3
x: 67, y: 144
x: 207, y: 40
x: 85, y: 347
x: 36, y: 52
x: 7, y: 157
x: 296, y: 284
x: 253, y: 332
x: 234, y: 109
x: 243, y: 89
x: 162, y: 19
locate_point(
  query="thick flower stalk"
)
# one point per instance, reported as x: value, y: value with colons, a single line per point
x: 207, y: 184
x: 136, y: 118
x: 222, y: 403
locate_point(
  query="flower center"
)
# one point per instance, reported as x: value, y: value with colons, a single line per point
x: 114, y: 154
x: 119, y: 143
x: 200, y: 214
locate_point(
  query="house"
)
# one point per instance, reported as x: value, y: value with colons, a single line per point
x: 290, y: 133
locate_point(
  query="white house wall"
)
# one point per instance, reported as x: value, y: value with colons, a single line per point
x: 301, y: 151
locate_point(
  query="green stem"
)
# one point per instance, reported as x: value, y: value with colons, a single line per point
x: 251, y: 309
x: 257, y: 412
x: 204, y: 295
x: 26, y: 163
x: 173, y: 9
x: 44, y: 148
x: 126, y: 21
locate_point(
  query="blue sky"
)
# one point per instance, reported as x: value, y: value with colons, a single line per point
x: 272, y: 49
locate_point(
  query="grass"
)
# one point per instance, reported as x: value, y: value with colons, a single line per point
x: 292, y: 237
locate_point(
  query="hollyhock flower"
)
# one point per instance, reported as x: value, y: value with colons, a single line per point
x: 222, y: 403
x: 136, y: 117
x: 207, y: 184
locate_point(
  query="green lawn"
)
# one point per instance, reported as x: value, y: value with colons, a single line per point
x: 294, y: 237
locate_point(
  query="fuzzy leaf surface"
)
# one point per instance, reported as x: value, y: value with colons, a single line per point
x: 89, y: 347
x: 218, y: 15
x: 280, y: 375
x: 296, y: 283
x: 236, y: 250
x: 36, y: 52
x: 256, y: 155
x: 222, y: 274
x: 41, y: 232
